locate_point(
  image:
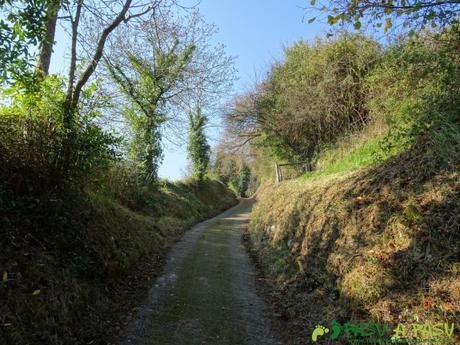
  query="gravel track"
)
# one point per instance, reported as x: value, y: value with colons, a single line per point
x: 207, y: 293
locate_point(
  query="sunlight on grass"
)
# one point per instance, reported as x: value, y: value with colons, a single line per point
x: 351, y: 154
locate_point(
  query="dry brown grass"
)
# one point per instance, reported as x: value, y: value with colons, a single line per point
x: 381, y: 243
x: 75, y: 277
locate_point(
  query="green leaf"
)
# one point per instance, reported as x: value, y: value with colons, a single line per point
x: 388, y: 25
x: 331, y: 20
x: 311, y: 20
x: 36, y: 292
x: 357, y: 25
x: 313, y: 2
x: 5, y: 277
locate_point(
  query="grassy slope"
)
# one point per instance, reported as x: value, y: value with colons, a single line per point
x: 364, y: 241
x: 72, y: 281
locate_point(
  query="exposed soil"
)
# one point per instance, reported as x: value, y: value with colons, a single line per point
x: 207, y: 293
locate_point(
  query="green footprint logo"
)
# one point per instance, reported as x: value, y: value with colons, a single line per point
x: 336, y: 328
x: 318, y: 331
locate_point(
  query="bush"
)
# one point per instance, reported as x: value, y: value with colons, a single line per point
x: 415, y: 89
x: 33, y: 140
x: 316, y: 95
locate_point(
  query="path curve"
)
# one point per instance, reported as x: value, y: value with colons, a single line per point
x: 207, y: 293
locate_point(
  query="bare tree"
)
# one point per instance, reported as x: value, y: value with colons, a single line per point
x: 242, y: 120
x: 112, y: 14
x: 206, y: 77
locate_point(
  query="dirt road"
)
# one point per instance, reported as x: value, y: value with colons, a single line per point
x: 207, y: 293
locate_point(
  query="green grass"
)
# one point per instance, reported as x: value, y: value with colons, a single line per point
x: 376, y: 143
x: 352, y: 153
x: 360, y: 157
x: 382, y: 239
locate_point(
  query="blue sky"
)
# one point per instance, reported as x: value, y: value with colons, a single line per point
x: 255, y: 32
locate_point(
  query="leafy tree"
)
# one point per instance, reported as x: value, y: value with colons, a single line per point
x: 32, y: 137
x: 21, y: 27
x: 224, y: 165
x: 207, y: 76
x: 27, y: 24
x: 244, y: 178
x: 235, y: 169
x: 415, y: 14
x: 146, y: 90
x: 198, y: 147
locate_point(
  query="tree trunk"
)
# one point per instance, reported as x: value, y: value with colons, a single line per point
x: 68, y: 110
x: 98, y: 53
x: 47, y: 43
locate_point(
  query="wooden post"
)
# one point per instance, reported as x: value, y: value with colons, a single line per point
x: 277, y: 173
x: 307, y: 166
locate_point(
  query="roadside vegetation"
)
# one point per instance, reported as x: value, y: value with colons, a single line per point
x: 364, y: 226
x: 72, y: 265
x: 85, y: 219
x: 371, y: 232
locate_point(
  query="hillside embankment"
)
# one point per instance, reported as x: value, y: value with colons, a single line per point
x: 74, y: 270
x: 376, y: 244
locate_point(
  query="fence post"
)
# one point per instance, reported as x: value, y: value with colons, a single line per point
x: 277, y: 173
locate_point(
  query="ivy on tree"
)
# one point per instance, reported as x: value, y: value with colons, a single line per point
x: 146, y: 91
x: 198, y: 147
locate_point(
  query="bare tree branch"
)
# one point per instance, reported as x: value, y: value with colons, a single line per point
x: 98, y: 54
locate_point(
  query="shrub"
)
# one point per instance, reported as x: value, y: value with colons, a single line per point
x: 316, y: 95
x: 415, y: 89
x: 33, y: 139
